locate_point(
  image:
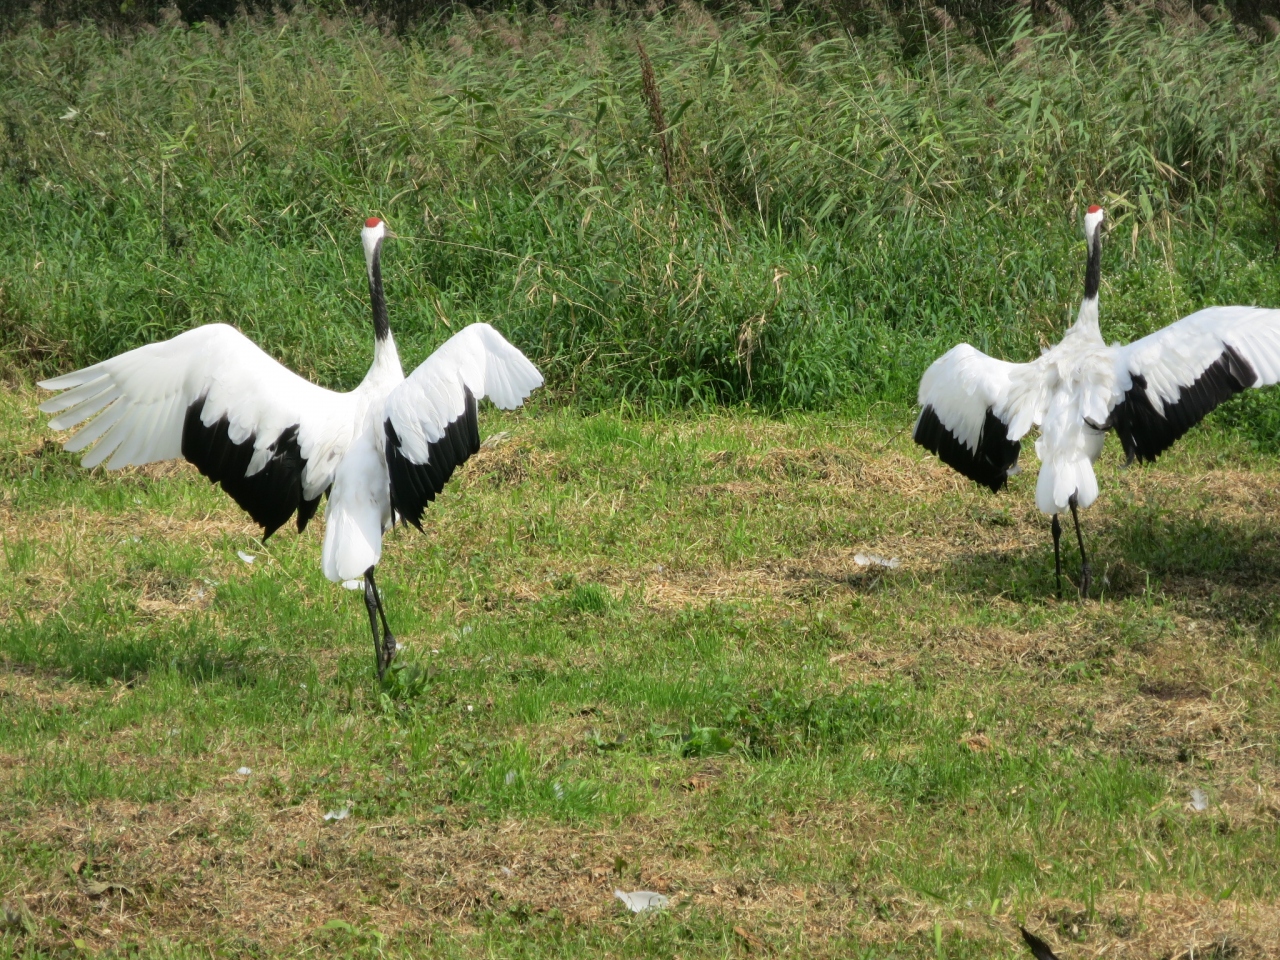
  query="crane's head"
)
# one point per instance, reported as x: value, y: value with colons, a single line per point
x: 374, y: 232
x: 1093, y: 220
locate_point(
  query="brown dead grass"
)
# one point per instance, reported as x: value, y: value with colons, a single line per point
x: 1009, y: 524
x: 25, y: 688
x: 235, y: 867
x: 841, y: 468
x: 162, y: 597
x: 72, y: 542
x: 507, y: 462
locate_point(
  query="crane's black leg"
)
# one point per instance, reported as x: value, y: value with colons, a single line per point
x: 386, y: 650
x: 371, y: 604
x: 1056, y: 527
x: 1086, y: 572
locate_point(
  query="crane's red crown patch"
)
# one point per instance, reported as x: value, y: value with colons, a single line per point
x: 1094, y: 209
x: 372, y: 222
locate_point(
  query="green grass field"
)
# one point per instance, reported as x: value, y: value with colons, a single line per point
x: 641, y: 655
x: 641, y: 652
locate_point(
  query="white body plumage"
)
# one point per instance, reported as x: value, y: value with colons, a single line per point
x: 144, y: 395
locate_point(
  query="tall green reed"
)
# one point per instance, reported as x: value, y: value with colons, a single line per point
x: 839, y: 209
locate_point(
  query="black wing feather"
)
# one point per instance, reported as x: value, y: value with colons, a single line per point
x: 272, y: 494
x: 1039, y: 949
x: 414, y: 485
x: 988, y: 465
x: 1146, y: 432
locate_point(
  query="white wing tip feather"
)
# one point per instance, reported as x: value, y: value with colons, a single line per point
x: 516, y: 372
x: 69, y: 380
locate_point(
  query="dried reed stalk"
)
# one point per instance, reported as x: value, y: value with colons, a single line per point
x: 654, y: 99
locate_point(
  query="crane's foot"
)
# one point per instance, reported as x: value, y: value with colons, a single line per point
x: 388, y: 652
x: 1086, y: 579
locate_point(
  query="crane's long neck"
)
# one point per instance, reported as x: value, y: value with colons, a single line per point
x: 1087, y: 319
x: 384, y: 347
x: 381, y: 328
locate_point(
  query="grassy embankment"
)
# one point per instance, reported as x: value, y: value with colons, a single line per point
x: 648, y: 658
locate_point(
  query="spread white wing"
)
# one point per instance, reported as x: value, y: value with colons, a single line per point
x: 975, y: 411
x: 430, y: 419
x: 211, y: 395
x: 1167, y: 382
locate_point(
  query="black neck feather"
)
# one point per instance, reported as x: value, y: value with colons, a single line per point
x: 381, y: 329
x: 1093, y: 272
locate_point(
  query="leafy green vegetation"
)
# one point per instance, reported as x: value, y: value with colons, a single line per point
x: 837, y: 212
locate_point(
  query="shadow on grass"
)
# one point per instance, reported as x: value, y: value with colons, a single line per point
x: 1139, y: 555
x: 97, y: 652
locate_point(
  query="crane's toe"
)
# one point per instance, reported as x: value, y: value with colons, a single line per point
x: 1086, y: 578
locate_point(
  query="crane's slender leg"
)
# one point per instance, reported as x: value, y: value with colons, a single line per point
x: 386, y: 649
x: 1056, y: 527
x: 371, y: 604
x: 1086, y: 572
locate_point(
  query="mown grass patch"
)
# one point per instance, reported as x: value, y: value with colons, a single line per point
x: 640, y: 655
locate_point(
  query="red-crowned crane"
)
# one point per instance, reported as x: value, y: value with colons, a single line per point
x: 277, y: 442
x: 976, y: 410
